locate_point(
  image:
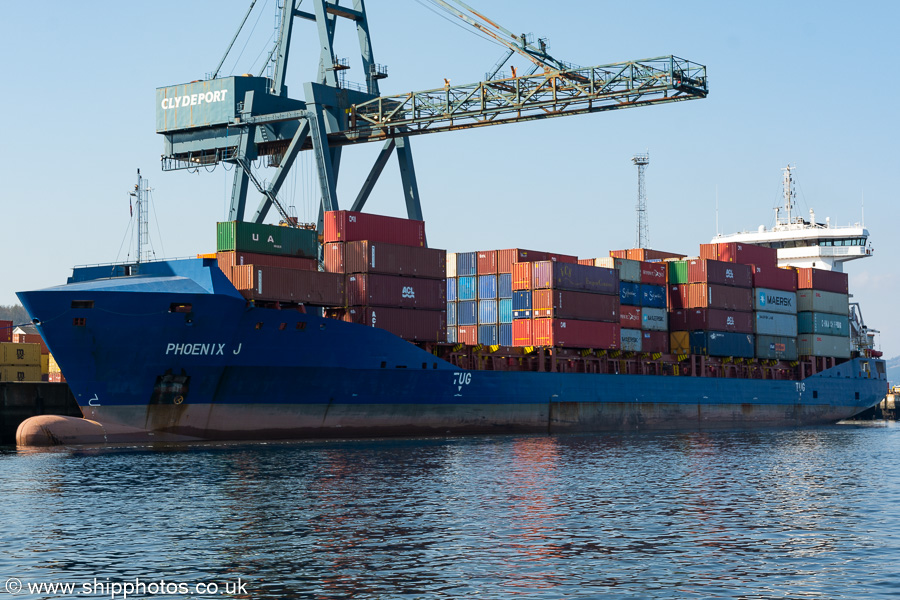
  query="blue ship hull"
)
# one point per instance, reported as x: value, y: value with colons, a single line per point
x: 176, y: 353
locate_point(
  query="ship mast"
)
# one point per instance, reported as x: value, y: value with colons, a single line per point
x: 788, y: 199
x: 141, y: 194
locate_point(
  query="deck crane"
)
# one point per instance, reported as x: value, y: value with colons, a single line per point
x: 239, y: 119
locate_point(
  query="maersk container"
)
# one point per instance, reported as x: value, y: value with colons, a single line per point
x: 826, y: 302
x: 654, y: 341
x: 576, y: 334
x: 776, y: 347
x: 451, y: 313
x: 451, y: 264
x: 350, y: 226
x: 488, y: 312
x: 451, y: 335
x: 630, y: 316
x: 467, y: 313
x: 812, y: 344
x: 775, y: 301
x: 506, y: 311
x: 369, y: 289
x: 775, y: 278
x: 678, y: 271
x: 654, y: 319
x: 521, y: 276
x: 629, y: 270
x: 778, y: 324
x: 819, y: 279
x: 572, y: 276
x: 466, y: 264
x: 488, y: 335
x: 241, y: 236
x: 823, y: 323
x: 487, y: 287
x: 486, y: 262
x: 629, y: 293
x: 451, y: 290
x: 467, y: 288
x: 653, y: 273
x: 504, y: 285
x: 719, y: 273
x: 630, y: 340
x: 506, y: 335
x: 723, y: 343
x: 366, y: 256
x: 710, y: 319
x: 566, y: 304
x: 653, y: 296
x: 523, y: 332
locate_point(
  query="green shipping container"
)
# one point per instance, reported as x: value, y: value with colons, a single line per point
x: 241, y: 236
x: 678, y: 271
x: 824, y: 323
x: 826, y: 302
x: 812, y: 344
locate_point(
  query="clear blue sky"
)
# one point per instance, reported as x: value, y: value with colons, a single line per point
x: 810, y: 83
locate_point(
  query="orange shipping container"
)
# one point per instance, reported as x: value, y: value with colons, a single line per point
x: 276, y: 284
x: 521, y: 276
x: 523, y: 332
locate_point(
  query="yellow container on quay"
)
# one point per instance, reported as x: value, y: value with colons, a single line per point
x: 20, y: 373
x: 13, y: 354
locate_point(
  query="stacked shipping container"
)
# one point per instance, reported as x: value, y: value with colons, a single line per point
x: 823, y: 303
x: 20, y: 361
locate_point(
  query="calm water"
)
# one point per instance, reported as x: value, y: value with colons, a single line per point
x: 809, y: 513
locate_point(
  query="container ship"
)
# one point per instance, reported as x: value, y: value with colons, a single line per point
x: 383, y: 336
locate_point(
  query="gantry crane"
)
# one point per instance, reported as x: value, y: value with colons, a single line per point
x: 238, y: 119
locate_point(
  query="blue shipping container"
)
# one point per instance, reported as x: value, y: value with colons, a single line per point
x: 723, y: 343
x: 521, y: 300
x: 653, y: 295
x: 506, y: 311
x: 451, y: 313
x: 506, y: 334
x: 487, y: 335
x: 629, y: 293
x: 487, y: 311
x: 467, y: 313
x: 451, y: 335
x: 824, y: 323
x: 467, y: 288
x: 504, y: 285
x: 487, y: 287
x: 451, y: 289
x: 466, y: 264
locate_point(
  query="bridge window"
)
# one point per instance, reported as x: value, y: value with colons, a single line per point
x: 82, y: 304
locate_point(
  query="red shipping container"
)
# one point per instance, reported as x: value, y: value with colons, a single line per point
x: 506, y: 258
x: 702, y: 295
x: 369, y: 289
x: 410, y: 324
x: 227, y: 260
x: 647, y: 254
x: 822, y: 280
x: 6, y: 329
x: 31, y: 338
x: 655, y: 341
x: 523, y: 332
x: 349, y: 226
x: 630, y: 317
x: 468, y: 334
x: 775, y: 278
x: 585, y: 306
x: 388, y: 259
x: 741, y: 253
x: 576, y: 334
x: 521, y: 276
x: 56, y: 377
x: 275, y: 284
x: 709, y: 251
x: 719, y: 273
x: 563, y: 258
x: 586, y: 261
x: 711, y: 319
x: 486, y: 262
x: 653, y: 273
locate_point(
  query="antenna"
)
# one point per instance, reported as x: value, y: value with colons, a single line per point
x: 788, y: 197
x: 863, y: 203
x: 642, y: 240
x: 717, y: 210
x: 140, y: 194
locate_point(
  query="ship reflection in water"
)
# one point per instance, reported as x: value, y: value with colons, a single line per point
x: 763, y: 514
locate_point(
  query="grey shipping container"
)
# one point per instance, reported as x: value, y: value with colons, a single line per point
x: 629, y: 270
x: 826, y: 302
x: 811, y: 344
x: 775, y: 301
x: 654, y: 319
x: 630, y: 340
x: 767, y: 323
x: 776, y: 347
x: 823, y: 323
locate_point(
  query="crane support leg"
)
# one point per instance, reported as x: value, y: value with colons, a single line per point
x: 377, y: 168
x: 284, y: 168
x: 408, y: 177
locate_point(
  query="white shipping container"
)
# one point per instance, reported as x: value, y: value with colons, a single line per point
x: 451, y: 264
x: 654, y: 319
x: 630, y: 340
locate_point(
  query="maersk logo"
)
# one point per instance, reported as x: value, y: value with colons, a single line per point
x: 762, y: 298
x: 408, y: 292
x: 775, y: 300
